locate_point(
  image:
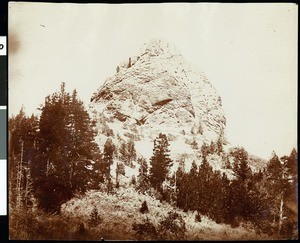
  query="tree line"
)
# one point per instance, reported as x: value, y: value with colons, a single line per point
x: 54, y: 156
x: 267, y: 198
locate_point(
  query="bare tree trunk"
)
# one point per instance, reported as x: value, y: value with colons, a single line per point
x: 281, y: 204
x: 175, y: 183
x: 19, y: 179
x: 117, y: 177
x: 280, y: 213
x: 28, y: 186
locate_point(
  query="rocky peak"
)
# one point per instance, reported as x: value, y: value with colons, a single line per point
x: 157, y: 47
x: 158, y: 91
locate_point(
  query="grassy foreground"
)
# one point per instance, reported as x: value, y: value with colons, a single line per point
x: 117, y: 214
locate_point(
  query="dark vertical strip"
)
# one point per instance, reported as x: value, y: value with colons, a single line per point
x: 3, y: 133
x: 3, y: 229
x: 3, y: 114
x: 3, y: 17
x: 3, y: 81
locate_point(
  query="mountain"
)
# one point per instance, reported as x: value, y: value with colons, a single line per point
x: 155, y: 91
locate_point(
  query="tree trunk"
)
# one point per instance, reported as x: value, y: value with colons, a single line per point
x: 19, y: 179
x: 117, y: 178
x: 280, y: 213
x: 28, y: 187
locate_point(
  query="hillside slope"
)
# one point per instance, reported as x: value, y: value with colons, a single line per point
x: 119, y: 211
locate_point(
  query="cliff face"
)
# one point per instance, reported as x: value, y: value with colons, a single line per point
x: 159, y: 91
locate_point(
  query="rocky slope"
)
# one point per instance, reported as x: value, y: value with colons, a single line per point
x: 159, y: 91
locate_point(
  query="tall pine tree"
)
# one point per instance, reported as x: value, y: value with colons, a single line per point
x: 160, y: 162
x: 66, y: 149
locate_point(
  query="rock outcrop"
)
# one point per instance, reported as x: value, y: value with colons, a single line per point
x: 159, y: 91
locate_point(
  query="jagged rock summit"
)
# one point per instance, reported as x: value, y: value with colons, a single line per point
x: 159, y: 91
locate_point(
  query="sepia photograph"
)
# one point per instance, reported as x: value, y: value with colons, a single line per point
x: 161, y: 121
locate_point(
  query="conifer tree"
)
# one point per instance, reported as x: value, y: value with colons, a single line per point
x: 192, y: 184
x: 143, y: 177
x: 22, y: 154
x: 160, y: 162
x: 119, y: 171
x: 240, y: 167
x: 123, y: 152
x: 241, y: 201
x: 204, y: 182
x: 276, y: 185
x: 95, y: 218
x: 289, y: 226
x: 181, y: 185
x: 131, y: 151
x: 109, y: 149
x: 204, y: 149
x: 66, y: 149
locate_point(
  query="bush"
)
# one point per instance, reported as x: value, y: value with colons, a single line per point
x: 51, y: 194
x: 198, y: 217
x: 144, y: 208
x: 39, y: 225
x: 145, y: 231
x: 133, y: 181
x: 172, y: 227
x: 81, y: 229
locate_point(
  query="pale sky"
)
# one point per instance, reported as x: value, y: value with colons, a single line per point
x: 247, y: 51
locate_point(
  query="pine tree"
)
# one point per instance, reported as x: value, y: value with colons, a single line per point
x: 119, y: 171
x: 240, y: 199
x: 131, y: 151
x: 292, y: 164
x: 109, y: 149
x: 192, y: 184
x: 218, y: 209
x: 160, y: 162
x: 204, y: 182
x: 66, y: 149
x: 127, y: 152
x: 22, y: 153
x: 219, y: 145
x: 289, y: 226
x: 129, y: 62
x: 204, y: 150
x: 276, y: 185
x: 123, y: 152
x: 143, y: 177
x: 181, y: 187
x: 212, y: 147
x: 240, y: 167
x: 95, y: 218
x: 194, y: 144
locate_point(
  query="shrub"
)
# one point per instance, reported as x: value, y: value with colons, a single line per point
x: 81, y: 231
x: 95, y: 218
x: 172, y: 227
x: 133, y: 181
x: 144, y: 208
x: 145, y: 231
x: 198, y: 217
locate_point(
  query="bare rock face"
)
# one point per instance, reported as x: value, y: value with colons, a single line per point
x: 159, y: 91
